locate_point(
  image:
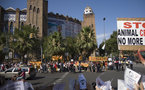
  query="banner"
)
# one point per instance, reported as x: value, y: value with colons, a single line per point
x: 131, y: 32
x: 98, y: 58
x: 131, y: 77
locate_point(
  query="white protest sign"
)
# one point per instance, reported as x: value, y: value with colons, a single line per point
x: 143, y: 81
x: 103, y: 85
x: 131, y: 77
x: 131, y: 32
x: 82, y: 81
x: 19, y: 85
x: 99, y: 82
x: 121, y: 85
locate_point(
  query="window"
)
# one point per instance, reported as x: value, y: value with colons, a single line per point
x: 34, y: 26
x: 16, y: 70
x: 30, y: 8
x: 92, y: 25
x: 11, y: 27
x: 22, y: 24
x: 38, y: 10
x: 34, y: 9
x: 37, y: 28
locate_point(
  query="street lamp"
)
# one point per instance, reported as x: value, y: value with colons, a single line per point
x: 104, y: 35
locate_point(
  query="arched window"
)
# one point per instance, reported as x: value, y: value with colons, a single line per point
x: 30, y: 8
x: 33, y: 15
x: 38, y: 10
x: 37, y: 16
x: 11, y: 27
x: 38, y: 28
x: 34, y: 9
x: 6, y: 27
x: 34, y: 26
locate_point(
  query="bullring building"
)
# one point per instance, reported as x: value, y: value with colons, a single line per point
x: 36, y: 15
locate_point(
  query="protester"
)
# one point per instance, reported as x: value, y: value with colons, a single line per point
x: 131, y: 64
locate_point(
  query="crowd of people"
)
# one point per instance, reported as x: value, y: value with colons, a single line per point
x: 74, y: 66
x: 70, y: 66
x: 79, y: 66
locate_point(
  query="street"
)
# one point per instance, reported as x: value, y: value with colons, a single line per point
x: 46, y: 79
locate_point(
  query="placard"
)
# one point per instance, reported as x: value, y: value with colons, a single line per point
x: 131, y: 77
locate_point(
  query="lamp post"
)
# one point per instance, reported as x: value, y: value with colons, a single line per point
x: 41, y: 52
x: 104, y: 35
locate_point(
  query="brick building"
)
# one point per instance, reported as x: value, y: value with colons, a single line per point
x: 36, y: 15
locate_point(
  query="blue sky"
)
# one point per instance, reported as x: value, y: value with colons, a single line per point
x: 110, y: 9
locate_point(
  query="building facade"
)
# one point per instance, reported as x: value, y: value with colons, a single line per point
x: 68, y: 26
x: 36, y: 15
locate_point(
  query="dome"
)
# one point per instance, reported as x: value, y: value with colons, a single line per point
x: 88, y: 10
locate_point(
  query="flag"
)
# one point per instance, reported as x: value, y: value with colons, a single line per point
x: 103, y: 47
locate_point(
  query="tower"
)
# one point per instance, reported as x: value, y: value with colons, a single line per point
x: 37, y: 15
x: 89, y: 21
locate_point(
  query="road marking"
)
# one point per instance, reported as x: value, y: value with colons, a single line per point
x: 61, y: 78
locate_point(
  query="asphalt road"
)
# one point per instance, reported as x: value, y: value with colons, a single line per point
x: 46, y: 79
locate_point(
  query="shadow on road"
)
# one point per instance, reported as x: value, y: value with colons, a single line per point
x: 36, y: 78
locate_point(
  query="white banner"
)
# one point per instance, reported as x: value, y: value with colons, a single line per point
x: 131, y: 77
x: 131, y: 32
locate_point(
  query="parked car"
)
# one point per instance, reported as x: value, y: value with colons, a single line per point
x: 9, y: 73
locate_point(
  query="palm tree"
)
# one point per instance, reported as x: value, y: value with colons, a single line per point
x: 86, y: 42
x: 71, y: 47
x: 53, y: 45
x: 25, y: 40
x: 3, y: 45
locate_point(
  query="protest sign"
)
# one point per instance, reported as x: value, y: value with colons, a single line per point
x: 131, y: 32
x: 99, y: 82
x: 103, y: 85
x: 131, y: 77
x: 19, y: 85
x: 143, y: 81
x: 121, y: 85
x: 82, y: 81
